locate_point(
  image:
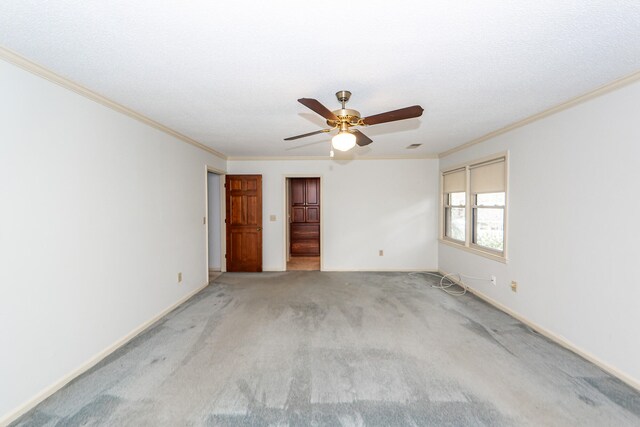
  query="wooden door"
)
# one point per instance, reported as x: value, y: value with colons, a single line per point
x: 244, y: 222
x: 304, y: 211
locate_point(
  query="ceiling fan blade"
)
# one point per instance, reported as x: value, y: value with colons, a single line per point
x: 361, y: 138
x: 291, y: 138
x: 316, y: 106
x: 392, y: 116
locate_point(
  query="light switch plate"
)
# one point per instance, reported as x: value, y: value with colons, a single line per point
x: 272, y: 218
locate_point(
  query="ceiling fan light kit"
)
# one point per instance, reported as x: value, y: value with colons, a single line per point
x: 343, y: 141
x: 343, y: 119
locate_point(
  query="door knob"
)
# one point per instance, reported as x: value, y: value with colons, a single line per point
x: 259, y: 229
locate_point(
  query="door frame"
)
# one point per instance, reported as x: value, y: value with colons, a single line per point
x: 223, y: 230
x: 285, y: 217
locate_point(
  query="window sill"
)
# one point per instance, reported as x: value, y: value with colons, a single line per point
x: 482, y: 253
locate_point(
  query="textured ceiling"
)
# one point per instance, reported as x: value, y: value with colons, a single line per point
x: 228, y: 74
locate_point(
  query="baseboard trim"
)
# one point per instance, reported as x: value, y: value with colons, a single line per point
x: 33, y: 402
x: 382, y: 270
x: 560, y: 340
x: 364, y: 270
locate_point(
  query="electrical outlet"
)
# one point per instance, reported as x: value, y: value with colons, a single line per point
x: 180, y: 277
x: 493, y: 280
x: 514, y: 286
x: 380, y: 252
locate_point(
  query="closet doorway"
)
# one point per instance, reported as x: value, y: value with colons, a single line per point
x: 304, y: 215
x: 214, y: 223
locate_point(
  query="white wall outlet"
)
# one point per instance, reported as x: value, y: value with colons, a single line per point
x: 493, y: 280
x: 514, y: 286
x: 180, y: 277
x: 381, y: 252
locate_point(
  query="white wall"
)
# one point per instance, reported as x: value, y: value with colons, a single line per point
x: 367, y: 205
x: 99, y: 214
x: 213, y: 199
x: 573, y: 227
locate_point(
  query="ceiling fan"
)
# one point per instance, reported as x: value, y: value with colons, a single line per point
x: 344, y: 119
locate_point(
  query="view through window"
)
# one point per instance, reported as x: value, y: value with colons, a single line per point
x: 456, y: 216
x: 489, y: 220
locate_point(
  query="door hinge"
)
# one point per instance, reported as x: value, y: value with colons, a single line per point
x: 204, y: 220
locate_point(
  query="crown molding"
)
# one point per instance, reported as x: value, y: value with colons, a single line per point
x: 609, y: 87
x: 337, y: 159
x: 47, y: 74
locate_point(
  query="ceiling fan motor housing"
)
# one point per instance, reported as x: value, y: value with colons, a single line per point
x: 346, y: 116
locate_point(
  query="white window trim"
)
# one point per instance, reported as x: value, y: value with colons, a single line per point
x: 468, y: 244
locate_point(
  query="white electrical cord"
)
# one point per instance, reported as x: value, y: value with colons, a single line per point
x: 445, y: 286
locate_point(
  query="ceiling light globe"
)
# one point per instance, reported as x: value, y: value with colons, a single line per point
x: 344, y: 141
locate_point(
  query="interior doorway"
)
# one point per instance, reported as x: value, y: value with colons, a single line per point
x: 304, y: 222
x: 214, y: 227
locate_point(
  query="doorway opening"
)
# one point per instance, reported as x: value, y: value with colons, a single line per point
x: 214, y: 227
x: 303, y: 223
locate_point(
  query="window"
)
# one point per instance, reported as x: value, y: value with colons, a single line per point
x: 455, y: 197
x: 481, y: 225
x: 455, y: 215
x: 488, y: 221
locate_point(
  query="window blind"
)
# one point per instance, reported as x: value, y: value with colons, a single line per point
x: 488, y: 177
x: 454, y: 181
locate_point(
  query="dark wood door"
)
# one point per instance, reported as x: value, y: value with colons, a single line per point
x: 304, y: 211
x: 244, y: 222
